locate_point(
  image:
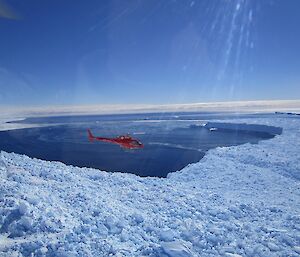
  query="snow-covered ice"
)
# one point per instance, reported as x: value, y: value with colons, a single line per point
x: 237, y: 201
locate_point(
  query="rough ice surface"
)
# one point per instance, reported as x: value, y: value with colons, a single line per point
x: 237, y: 201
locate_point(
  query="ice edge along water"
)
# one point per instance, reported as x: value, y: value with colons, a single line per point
x: 237, y: 201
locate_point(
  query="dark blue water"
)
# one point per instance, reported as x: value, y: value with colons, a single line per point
x: 171, y: 140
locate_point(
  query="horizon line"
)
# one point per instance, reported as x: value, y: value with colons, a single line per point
x: 81, y: 109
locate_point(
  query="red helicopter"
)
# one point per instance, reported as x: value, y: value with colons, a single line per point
x: 126, y: 142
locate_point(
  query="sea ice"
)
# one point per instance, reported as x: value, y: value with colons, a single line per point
x: 237, y: 201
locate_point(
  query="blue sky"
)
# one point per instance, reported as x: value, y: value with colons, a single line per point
x: 148, y: 52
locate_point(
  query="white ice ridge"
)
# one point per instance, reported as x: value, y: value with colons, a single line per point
x: 237, y: 201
